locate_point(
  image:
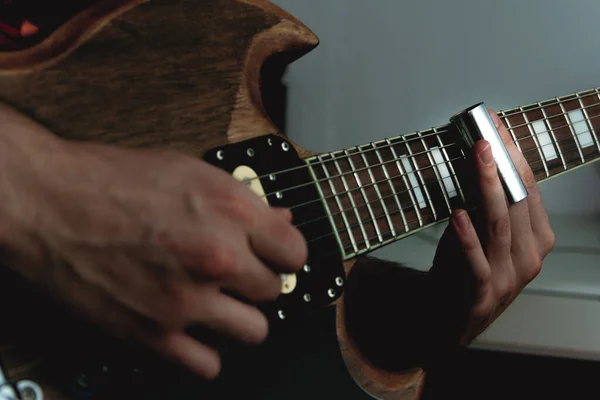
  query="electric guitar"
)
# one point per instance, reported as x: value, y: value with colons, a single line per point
x: 186, y: 74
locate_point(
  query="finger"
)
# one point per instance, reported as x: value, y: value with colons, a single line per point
x: 473, y: 253
x: 538, y: 222
x: 201, y: 359
x: 256, y: 282
x: 225, y: 315
x: 494, y: 206
x: 284, y: 213
x: 279, y: 244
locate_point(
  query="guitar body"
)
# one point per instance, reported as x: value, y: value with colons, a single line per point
x: 180, y: 74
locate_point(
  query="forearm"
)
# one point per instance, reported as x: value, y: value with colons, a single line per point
x: 394, y: 314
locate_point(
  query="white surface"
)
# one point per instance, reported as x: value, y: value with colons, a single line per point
x: 543, y: 136
x: 387, y: 67
x: 581, y: 128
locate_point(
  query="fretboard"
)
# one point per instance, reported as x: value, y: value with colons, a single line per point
x: 383, y: 191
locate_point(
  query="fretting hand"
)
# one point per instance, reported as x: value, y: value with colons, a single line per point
x: 506, y: 256
x: 144, y: 243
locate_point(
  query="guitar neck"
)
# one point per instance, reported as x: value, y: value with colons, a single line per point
x: 383, y: 191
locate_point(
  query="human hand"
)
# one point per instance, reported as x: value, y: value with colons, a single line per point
x: 499, y: 249
x: 144, y: 243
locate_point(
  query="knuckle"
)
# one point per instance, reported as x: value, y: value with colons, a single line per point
x: 501, y: 227
x: 528, y: 177
x: 548, y: 242
x: 272, y: 289
x: 175, y: 307
x: 470, y: 243
x: 506, y: 286
x: 484, y: 278
x: 489, y: 177
x: 239, y: 208
x: 533, y: 268
x: 481, y: 312
x: 222, y: 261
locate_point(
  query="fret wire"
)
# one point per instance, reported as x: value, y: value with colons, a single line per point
x: 364, y: 195
x: 437, y: 175
x: 553, y: 116
x: 327, y: 210
x: 451, y: 168
x: 409, y: 187
x: 537, y: 144
x: 376, y: 187
x: 396, y: 198
x: 587, y: 121
x: 551, y: 131
x: 343, y: 174
x: 403, y: 175
x: 510, y: 130
x: 575, y: 136
x: 505, y: 115
x: 382, y: 215
x: 339, y: 204
x: 407, y: 190
x: 559, y: 99
x: 356, y: 225
x: 351, y: 198
x: 446, y: 146
x: 418, y: 173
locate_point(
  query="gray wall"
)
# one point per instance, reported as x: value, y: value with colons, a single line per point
x: 388, y: 67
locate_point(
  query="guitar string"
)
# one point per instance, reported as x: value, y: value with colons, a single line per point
x: 400, y: 210
x: 328, y: 179
x: 437, y: 131
x: 562, y: 114
x: 373, y: 221
x: 403, y: 175
x: 555, y: 101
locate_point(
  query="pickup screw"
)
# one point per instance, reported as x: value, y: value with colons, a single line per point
x: 29, y: 394
x: 272, y: 177
x: 306, y: 268
x: 220, y: 155
x: 250, y: 152
x: 339, y: 281
x: 331, y: 293
x: 281, y: 314
x: 279, y: 195
x: 307, y: 298
x: 285, y: 146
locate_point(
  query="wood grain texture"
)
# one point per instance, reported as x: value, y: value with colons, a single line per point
x: 181, y: 74
x: 406, y: 385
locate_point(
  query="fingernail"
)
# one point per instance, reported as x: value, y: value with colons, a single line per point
x: 486, y: 156
x: 461, y: 221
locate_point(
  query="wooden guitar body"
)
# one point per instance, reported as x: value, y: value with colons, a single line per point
x: 180, y: 74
